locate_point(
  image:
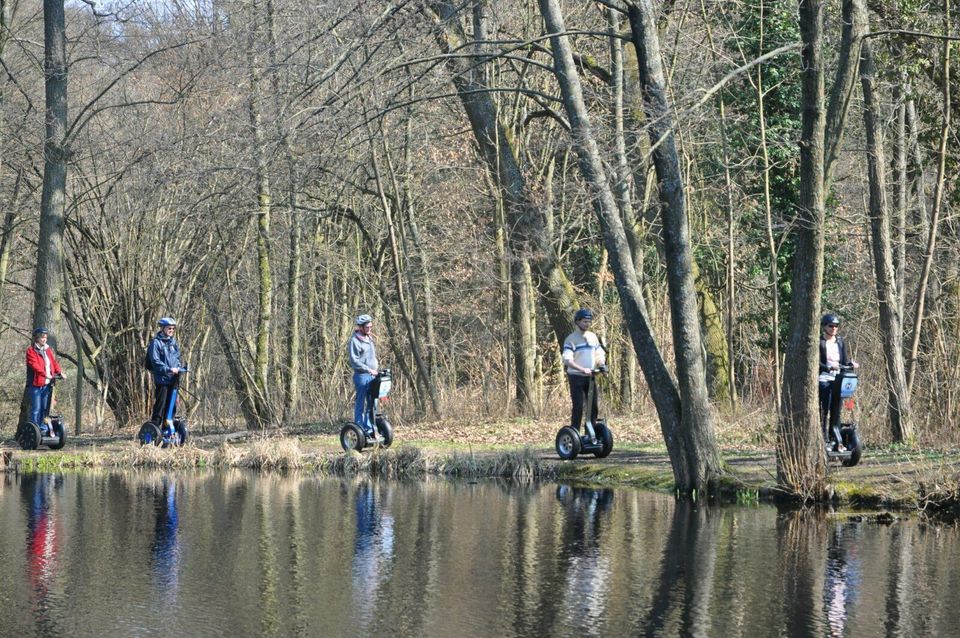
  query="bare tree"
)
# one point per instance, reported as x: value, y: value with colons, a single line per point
x: 891, y: 328
x: 685, y: 415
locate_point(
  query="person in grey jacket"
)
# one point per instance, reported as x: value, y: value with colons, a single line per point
x: 362, y: 354
x: 163, y: 354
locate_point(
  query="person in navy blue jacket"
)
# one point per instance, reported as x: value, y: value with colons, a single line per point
x: 163, y: 354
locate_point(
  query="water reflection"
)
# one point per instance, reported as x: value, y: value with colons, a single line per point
x: 235, y: 554
x: 165, y: 552
x: 842, y: 578
x: 586, y: 583
x: 372, y: 546
x: 43, y: 541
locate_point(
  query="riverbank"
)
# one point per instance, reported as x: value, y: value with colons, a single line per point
x: 888, y: 478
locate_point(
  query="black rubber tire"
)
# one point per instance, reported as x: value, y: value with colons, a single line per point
x: 149, y: 434
x: 386, y: 432
x: 352, y: 437
x: 61, y: 431
x: 605, y: 436
x: 180, y: 426
x: 28, y: 436
x: 567, y: 443
x: 851, y: 441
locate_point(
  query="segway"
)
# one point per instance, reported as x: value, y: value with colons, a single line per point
x: 846, y: 434
x: 173, y: 431
x: 596, y: 438
x: 51, y: 430
x: 355, y: 437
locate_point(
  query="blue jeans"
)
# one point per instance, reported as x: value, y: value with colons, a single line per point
x: 39, y: 403
x: 363, y: 403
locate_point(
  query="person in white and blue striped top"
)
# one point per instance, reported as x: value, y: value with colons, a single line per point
x: 582, y: 354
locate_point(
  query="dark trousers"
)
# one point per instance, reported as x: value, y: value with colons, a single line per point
x: 830, y: 406
x: 161, y: 403
x: 578, y: 396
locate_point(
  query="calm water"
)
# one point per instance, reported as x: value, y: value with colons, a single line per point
x: 235, y: 554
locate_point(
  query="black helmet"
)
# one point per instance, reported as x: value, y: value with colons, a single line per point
x: 830, y: 319
x: 583, y: 313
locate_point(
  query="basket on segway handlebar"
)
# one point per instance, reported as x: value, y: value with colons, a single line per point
x: 378, y: 432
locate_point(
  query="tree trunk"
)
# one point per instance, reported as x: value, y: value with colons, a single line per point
x: 687, y: 430
x: 844, y: 82
x: 937, y: 204
x: 891, y: 329
x: 524, y: 214
x: 48, y: 290
x: 524, y: 344
x: 800, y: 464
x: 901, y: 187
x: 697, y: 420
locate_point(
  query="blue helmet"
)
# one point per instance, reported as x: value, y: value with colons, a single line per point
x: 583, y: 313
x: 40, y: 330
x: 166, y: 321
x: 364, y: 319
x: 830, y: 319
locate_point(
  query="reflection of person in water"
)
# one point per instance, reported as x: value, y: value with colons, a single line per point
x: 42, y: 536
x: 587, y: 568
x: 165, y: 551
x: 372, y: 547
x: 841, y: 583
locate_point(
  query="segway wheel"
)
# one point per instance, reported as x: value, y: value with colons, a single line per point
x: 180, y: 426
x: 352, y: 437
x: 28, y: 436
x: 386, y: 432
x: 60, y: 432
x: 149, y: 434
x: 568, y: 443
x: 605, y: 436
x: 851, y: 441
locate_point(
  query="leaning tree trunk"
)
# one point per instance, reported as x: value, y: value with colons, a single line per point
x: 891, y: 328
x: 697, y: 421
x: 528, y: 238
x: 688, y: 432
x: 800, y: 466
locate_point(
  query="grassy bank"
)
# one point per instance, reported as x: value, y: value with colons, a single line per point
x: 891, y: 478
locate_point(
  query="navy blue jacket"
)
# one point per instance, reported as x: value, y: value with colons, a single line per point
x: 163, y: 353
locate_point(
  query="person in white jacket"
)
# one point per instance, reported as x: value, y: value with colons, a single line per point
x: 582, y: 354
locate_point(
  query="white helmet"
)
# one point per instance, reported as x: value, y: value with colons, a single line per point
x: 364, y: 319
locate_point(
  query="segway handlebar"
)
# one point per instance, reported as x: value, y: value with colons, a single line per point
x: 600, y: 369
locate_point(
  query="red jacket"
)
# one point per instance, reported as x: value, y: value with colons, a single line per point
x: 36, y: 366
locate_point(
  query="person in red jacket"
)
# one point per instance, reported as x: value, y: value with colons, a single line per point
x: 42, y: 367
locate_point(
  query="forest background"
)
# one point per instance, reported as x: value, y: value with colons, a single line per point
x: 708, y: 175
